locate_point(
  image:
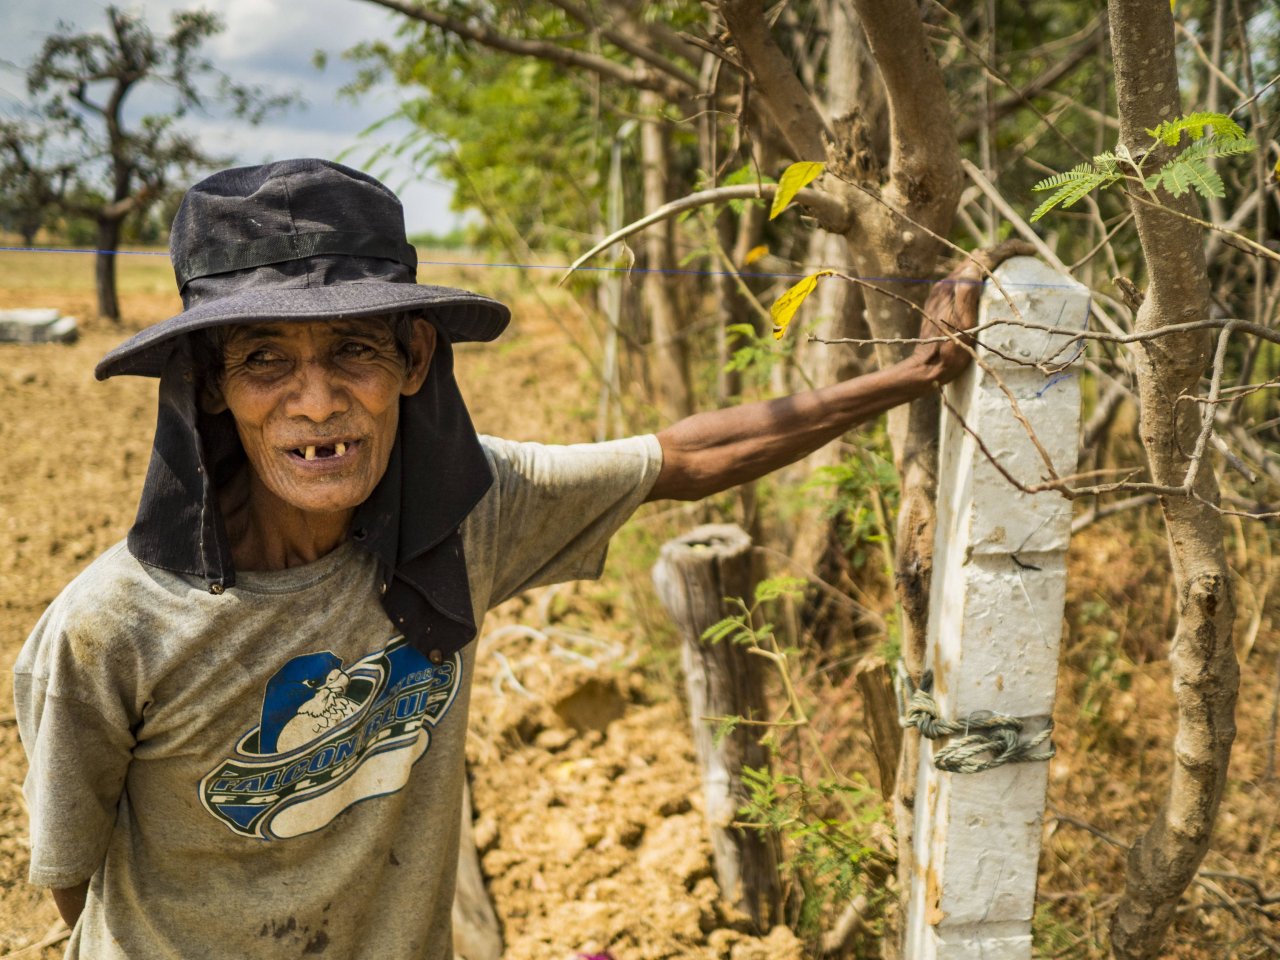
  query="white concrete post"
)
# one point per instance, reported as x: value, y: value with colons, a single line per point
x: 999, y: 582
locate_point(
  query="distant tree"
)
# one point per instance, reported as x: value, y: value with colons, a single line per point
x: 79, y: 83
x: 30, y: 184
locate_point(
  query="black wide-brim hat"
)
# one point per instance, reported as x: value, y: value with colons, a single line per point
x: 295, y: 240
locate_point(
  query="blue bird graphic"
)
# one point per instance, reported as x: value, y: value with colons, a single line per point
x: 305, y: 697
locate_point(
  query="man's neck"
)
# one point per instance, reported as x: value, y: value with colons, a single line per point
x: 268, y: 533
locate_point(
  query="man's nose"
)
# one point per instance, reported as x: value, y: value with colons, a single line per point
x: 317, y: 394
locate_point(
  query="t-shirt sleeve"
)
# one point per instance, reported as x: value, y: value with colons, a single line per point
x: 554, y: 508
x: 77, y: 732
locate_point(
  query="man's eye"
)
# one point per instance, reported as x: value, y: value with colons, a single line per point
x: 355, y: 350
x: 261, y: 360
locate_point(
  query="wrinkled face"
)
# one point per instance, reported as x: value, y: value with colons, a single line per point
x: 317, y: 405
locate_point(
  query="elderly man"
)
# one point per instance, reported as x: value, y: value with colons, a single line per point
x: 246, y: 722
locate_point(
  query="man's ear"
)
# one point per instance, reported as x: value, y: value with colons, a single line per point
x: 422, y: 346
x: 211, y: 399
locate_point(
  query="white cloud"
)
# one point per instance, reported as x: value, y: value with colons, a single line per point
x: 265, y: 26
x: 270, y: 43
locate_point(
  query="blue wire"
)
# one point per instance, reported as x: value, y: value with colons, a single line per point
x: 546, y: 266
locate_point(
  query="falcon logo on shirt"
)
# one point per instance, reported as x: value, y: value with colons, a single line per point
x: 330, y: 735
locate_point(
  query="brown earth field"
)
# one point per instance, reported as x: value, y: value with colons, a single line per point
x: 588, y: 811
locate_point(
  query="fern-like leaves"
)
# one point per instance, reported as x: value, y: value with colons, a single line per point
x: 1196, y: 124
x: 1076, y: 183
x: 1190, y: 169
x: 1212, y: 135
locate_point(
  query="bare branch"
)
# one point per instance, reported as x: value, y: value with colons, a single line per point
x: 1025, y: 231
x: 773, y: 80
x: 1098, y: 512
x: 1062, y: 68
x: 1232, y: 460
x: 1205, y: 674
x: 833, y: 212
x: 1208, y: 61
x: 1091, y: 433
x: 660, y: 83
x: 1251, y: 448
x: 625, y: 42
x: 922, y: 129
x: 1231, y: 239
x: 1206, y: 422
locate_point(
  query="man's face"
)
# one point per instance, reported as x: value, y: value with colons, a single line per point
x: 317, y: 405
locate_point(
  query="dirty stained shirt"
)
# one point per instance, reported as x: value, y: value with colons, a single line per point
x: 275, y: 772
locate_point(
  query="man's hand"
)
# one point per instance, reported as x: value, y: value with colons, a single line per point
x: 952, y: 310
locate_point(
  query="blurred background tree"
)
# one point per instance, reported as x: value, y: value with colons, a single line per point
x: 79, y: 151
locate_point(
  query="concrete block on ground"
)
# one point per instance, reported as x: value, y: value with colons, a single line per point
x: 37, y: 325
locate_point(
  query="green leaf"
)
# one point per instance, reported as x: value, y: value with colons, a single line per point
x: 1060, y: 179
x: 1204, y: 179
x: 1170, y: 131
x: 1079, y: 182
x: 719, y: 631
x: 793, y: 178
x: 745, y: 174
x: 725, y: 727
x: 1106, y: 163
x: 784, y: 308
x: 1180, y: 175
x: 775, y: 587
x: 1217, y: 147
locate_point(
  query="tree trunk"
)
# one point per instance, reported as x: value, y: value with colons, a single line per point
x: 1205, y: 673
x: 896, y: 218
x: 670, y: 370
x: 694, y: 575
x: 104, y: 269
x: 924, y: 184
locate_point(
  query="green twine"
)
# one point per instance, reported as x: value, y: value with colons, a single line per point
x: 983, y: 739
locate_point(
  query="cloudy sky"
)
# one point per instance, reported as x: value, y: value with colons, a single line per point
x: 269, y: 43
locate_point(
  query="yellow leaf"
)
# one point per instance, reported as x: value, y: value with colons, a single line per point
x: 1276, y: 172
x: 785, y: 307
x: 754, y: 254
x: 793, y: 178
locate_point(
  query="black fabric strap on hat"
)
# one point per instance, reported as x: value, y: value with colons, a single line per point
x: 242, y: 255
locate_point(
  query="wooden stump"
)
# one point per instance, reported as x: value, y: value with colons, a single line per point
x: 875, y: 681
x: 694, y: 575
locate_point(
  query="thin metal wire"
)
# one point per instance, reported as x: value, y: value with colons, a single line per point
x: 550, y: 266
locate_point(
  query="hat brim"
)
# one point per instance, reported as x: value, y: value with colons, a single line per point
x: 461, y: 314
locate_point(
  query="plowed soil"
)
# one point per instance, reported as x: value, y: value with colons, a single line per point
x: 585, y: 789
x: 588, y: 815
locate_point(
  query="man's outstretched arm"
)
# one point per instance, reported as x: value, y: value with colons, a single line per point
x: 709, y: 452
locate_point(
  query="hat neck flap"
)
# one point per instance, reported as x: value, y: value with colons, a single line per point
x: 411, y: 522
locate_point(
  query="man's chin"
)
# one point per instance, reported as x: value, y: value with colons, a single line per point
x: 324, y: 499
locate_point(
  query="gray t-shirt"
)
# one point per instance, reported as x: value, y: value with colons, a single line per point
x: 275, y: 772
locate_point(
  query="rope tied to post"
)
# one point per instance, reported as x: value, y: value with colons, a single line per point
x: 983, y: 739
